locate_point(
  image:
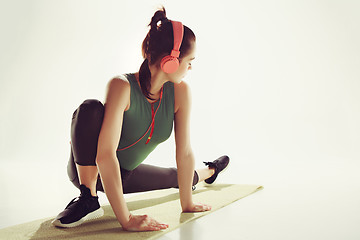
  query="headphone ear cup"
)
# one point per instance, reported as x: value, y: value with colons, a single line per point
x: 169, y: 64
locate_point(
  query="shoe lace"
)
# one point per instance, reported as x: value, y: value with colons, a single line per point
x: 210, y: 165
x: 81, y: 201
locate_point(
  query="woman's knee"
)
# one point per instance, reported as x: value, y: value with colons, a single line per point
x: 91, y: 110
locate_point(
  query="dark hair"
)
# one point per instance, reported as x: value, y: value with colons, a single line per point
x: 158, y: 43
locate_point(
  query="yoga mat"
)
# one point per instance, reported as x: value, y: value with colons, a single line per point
x: 163, y: 205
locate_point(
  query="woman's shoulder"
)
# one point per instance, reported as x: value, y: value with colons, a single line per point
x: 118, y: 91
x: 124, y: 78
x: 181, y: 88
x: 120, y: 81
x: 182, y: 95
x: 119, y: 84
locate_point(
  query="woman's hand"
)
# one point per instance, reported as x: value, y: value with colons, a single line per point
x: 143, y: 223
x: 197, y: 207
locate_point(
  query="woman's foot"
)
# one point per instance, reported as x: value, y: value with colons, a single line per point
x: 218, y: 165
x: 79, y: 210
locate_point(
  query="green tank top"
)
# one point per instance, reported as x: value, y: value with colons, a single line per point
x: 137, y: 120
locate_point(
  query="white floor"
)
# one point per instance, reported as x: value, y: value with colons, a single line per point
x: 299, y: 201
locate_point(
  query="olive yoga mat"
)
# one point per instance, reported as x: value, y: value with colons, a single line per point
x: 163, y: 205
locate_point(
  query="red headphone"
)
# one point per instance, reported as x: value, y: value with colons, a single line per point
x: 170, y: 63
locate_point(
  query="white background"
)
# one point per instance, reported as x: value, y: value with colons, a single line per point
x: 275, y: 86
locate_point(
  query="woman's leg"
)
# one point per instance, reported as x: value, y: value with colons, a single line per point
x: 82, y: 170
x: 72, y: 170
x: 85, y: 128
x: 204, y: 173
x: 147, y: 177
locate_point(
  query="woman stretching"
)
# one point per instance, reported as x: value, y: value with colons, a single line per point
x: 109, y: 142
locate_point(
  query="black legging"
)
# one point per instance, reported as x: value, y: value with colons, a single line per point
x: 85, y: 128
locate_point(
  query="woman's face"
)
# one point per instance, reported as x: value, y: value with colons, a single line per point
x: 184, y: 67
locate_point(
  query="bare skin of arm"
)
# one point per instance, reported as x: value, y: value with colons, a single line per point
x: 117, y: 101
x: 184, y: 155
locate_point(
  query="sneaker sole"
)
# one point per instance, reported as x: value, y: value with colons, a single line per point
x: 90, y: 216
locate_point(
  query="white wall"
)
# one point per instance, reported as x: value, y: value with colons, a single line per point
x: 275, y: 84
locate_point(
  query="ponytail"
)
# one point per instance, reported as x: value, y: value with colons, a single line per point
x: 159, y: 15
x: 149, y: 55
x: 145, y: 79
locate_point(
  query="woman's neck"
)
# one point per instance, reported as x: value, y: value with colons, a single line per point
x: 158, y: 79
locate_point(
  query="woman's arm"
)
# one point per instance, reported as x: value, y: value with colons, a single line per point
x: 117, y: 101
x: 184, y: 155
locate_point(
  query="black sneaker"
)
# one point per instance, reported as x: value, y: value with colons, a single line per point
x: 218, y: 165
x: 80, y: 209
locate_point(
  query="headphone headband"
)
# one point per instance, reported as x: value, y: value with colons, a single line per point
x: 178, y: 31
x: 170, y: 63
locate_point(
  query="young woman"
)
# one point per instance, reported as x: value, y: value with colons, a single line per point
x: 109, y: 142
